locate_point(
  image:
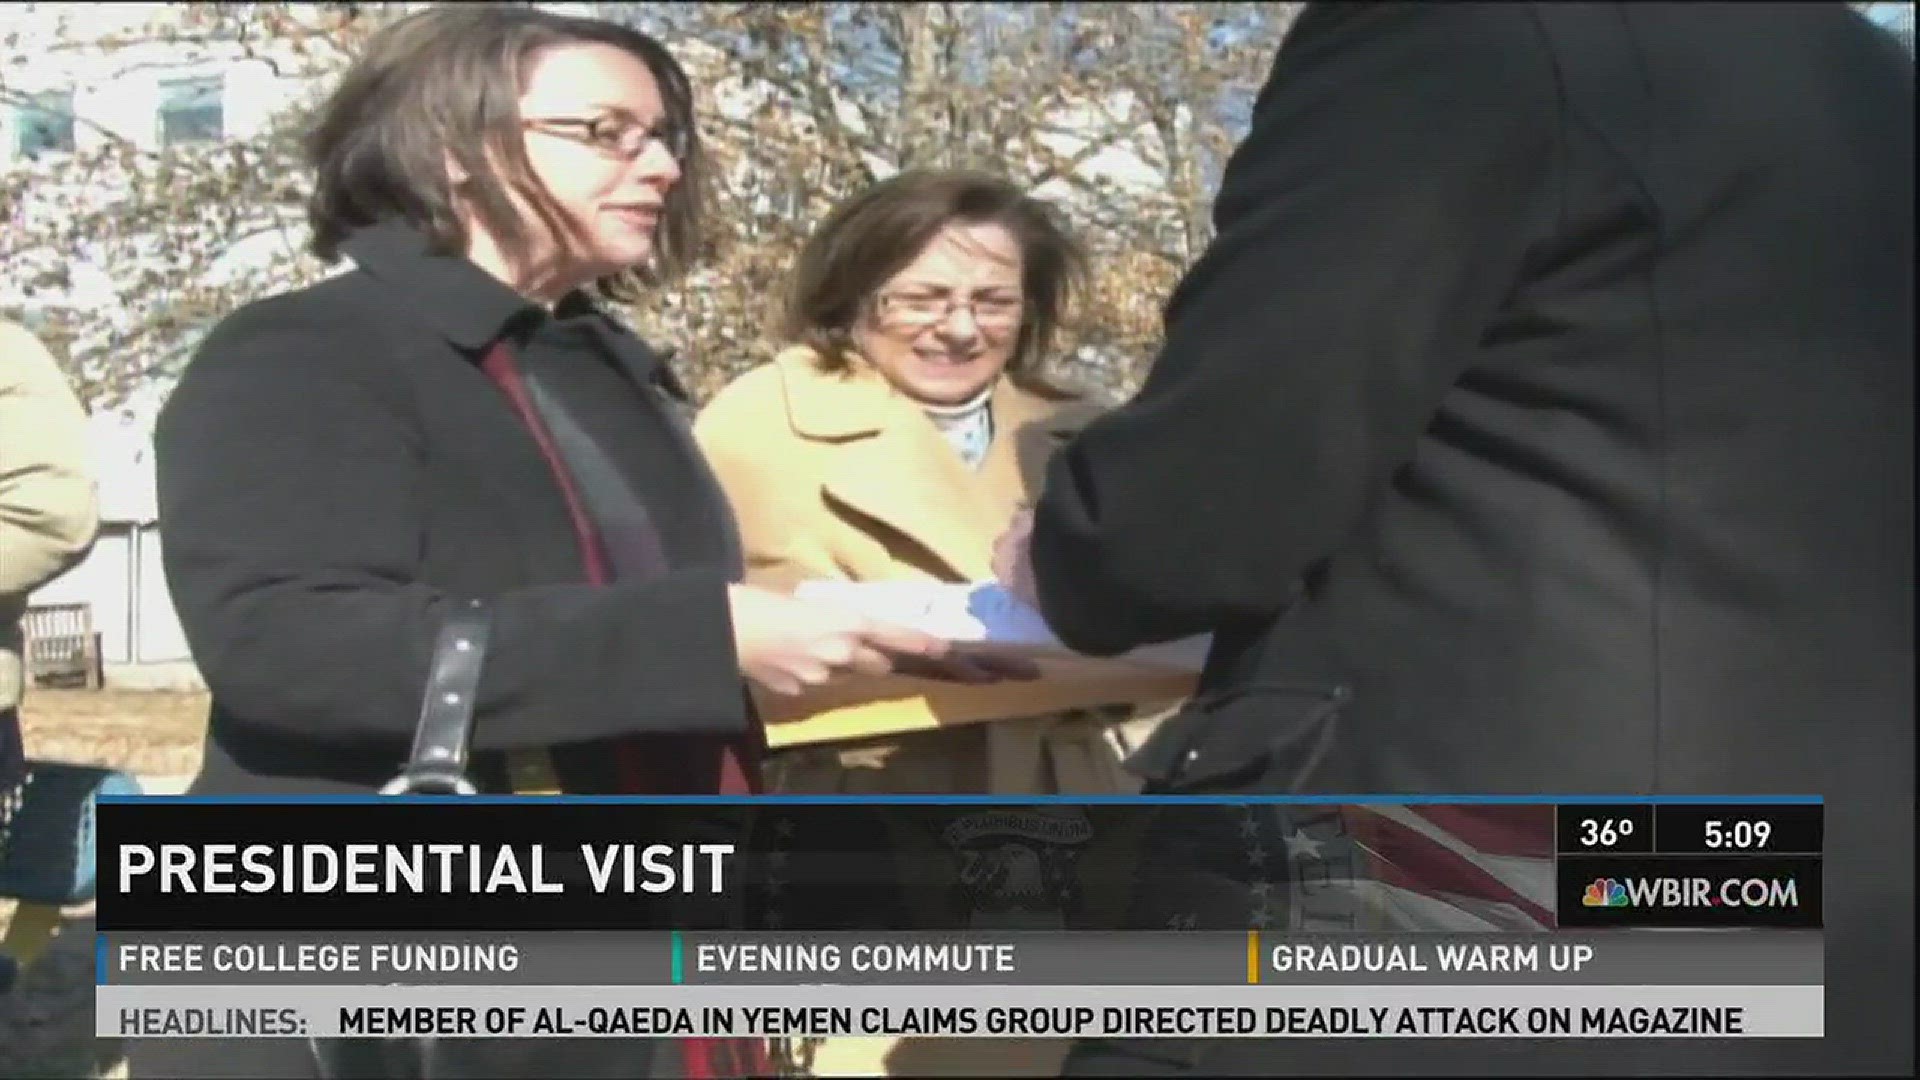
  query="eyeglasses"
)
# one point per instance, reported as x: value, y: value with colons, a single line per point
x: 921, y: 309
x: 614, y: 136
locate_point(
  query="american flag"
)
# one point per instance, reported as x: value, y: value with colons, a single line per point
x: 1464, y: 868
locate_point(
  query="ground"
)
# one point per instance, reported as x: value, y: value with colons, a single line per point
x: 46, y: 1025
x: 147, y: 733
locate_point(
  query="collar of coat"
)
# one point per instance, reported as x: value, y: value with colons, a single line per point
x: 468, y: 306
x: 472, y: 309
x: 891, y: 464
x: 844, y: 405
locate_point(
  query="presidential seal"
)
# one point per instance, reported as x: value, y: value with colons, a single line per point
x: 1014, y: 865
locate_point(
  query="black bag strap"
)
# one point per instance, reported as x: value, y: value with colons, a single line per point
x: 599, y: 479
x: 612, y: 507
x: 438, y: 763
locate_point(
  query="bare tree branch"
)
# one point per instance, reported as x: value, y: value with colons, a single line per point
x: 1121, y: 113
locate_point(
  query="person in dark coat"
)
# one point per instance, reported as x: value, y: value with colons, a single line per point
x: 457, y: 418
x: 1540, y: 421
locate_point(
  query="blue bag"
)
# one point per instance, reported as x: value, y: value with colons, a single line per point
x: 47, y: 852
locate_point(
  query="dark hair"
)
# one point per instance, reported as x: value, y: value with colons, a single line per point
x: 872, y: 236
x: 447, y: 81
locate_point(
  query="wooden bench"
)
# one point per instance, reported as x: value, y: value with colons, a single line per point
x: 63, y: 649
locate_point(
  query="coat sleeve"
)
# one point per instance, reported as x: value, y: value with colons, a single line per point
x: 49, y: 508
x: 1367, y: 228
x: 291, y: 484
x: 737, y: 431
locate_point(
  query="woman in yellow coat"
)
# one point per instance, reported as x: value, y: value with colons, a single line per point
x: 895, y: 440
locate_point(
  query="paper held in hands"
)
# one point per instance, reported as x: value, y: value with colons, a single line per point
x: 985, y: 618
x: 982, y: 618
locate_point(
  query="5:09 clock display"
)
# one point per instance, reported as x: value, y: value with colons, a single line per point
x: 1738, y: 835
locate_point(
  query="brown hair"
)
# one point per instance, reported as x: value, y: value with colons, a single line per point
x: 872, y: 236
x: 447, y: 81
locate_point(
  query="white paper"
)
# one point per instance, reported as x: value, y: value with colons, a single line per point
x: 982, y: 617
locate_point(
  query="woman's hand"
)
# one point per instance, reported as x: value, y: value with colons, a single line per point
x: 789, y: 645
x: 1013, y: 562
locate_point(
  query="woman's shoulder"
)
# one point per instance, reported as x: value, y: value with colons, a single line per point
x: 328, y: 339
x: 343, y: 305
x: 25, y: 361
x: 757, y: 395
x: 340, y: 324
x: 1062, y: 402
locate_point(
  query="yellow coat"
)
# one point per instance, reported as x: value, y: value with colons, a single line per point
x: 839, y: 476
x: 49, y: 510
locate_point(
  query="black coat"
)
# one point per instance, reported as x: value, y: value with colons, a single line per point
x: 334, y: 469
x: 1540, y: 421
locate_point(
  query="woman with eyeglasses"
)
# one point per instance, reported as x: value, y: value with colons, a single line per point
x: 895, y: 440
x: 457, y: 419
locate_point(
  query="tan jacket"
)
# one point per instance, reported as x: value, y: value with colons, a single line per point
x: 49, y: 510
x: 839, y: 476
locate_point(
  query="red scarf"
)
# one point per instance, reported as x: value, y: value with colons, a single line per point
x: 642, y: 768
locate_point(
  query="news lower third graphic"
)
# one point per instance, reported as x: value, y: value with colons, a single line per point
x: 960, y: 917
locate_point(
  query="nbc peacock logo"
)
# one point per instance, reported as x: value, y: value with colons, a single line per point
x: 1604, y: 892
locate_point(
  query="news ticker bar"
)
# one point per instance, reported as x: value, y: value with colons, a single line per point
x: 1510, y: 1012
x: 494, y: 865
x: 980, y: 958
